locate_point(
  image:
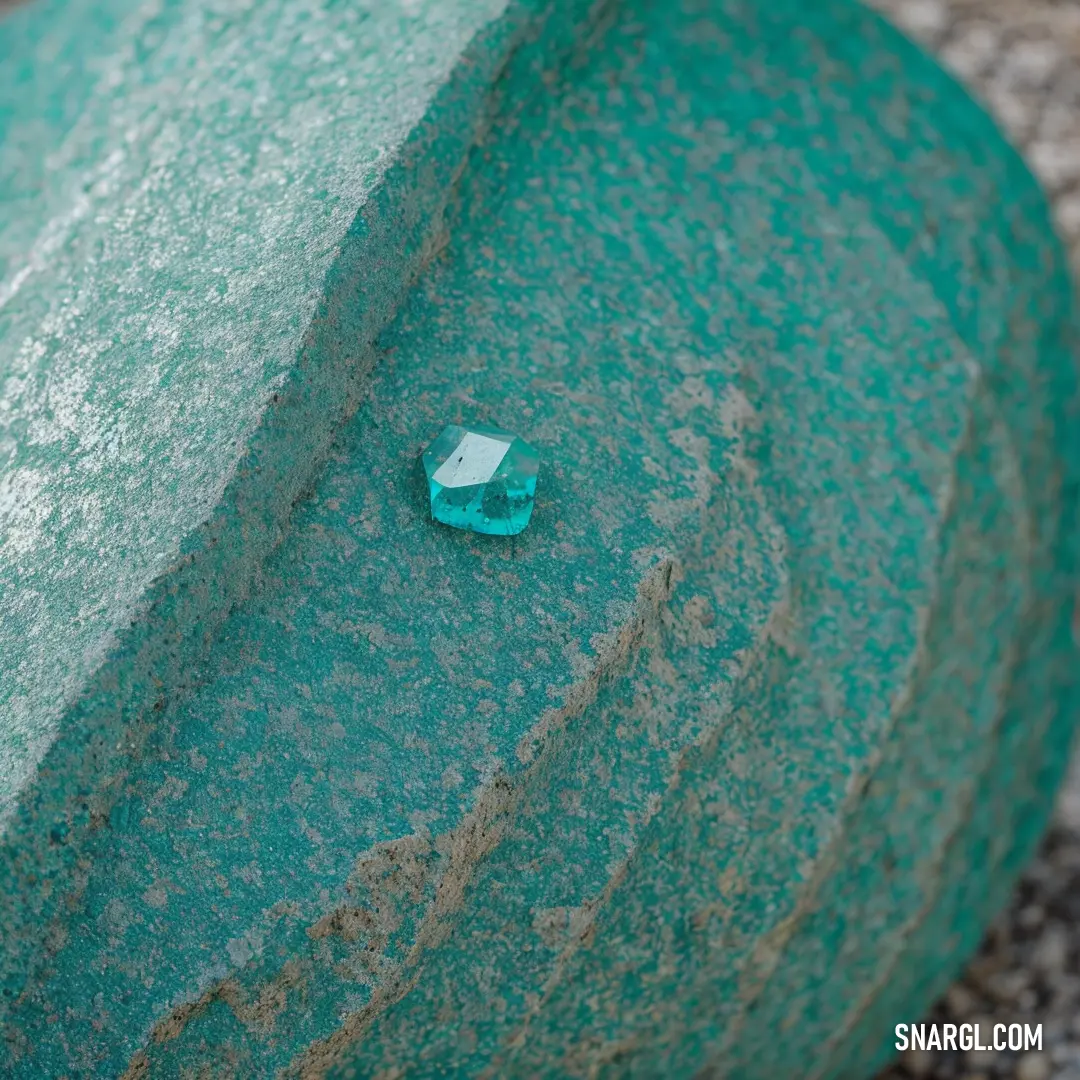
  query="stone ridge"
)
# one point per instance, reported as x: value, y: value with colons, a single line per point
x: 389, y: 881
x: 181, y: 239
x: 1022, y: 59
x: 170, y: 386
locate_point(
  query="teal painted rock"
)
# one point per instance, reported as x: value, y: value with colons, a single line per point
x: 720, y: 767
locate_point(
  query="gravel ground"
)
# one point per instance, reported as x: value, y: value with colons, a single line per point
x: 1022, y: 59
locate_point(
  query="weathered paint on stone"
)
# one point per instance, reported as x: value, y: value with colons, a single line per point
x: 355, y: 123
x: 723, y: 764
x: 164, y: 252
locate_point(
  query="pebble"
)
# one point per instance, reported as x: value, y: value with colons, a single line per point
x: 961, y: 1001
x: 1051, y: 952
x: 1007, y: 986
x: 1030, y: 917
x: 981, y: 1059
x: 918, y: 1063
x: 923, y: 18
x: 1033, y: 1066
x: 972, y: 52
x: 1062, y: 1054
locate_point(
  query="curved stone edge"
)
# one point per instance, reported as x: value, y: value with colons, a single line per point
x: 396, y: 233
x: 1026, y: 331
x: 445, y: 863
x: 1022, y: 326
x: 899, y: 837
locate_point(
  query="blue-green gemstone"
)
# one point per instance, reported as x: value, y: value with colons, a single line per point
x: 481, y: 479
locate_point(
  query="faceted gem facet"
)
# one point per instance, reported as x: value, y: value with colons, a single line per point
x: 481, y: 479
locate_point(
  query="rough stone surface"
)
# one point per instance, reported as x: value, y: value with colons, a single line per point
x: 211, y: 212
x: 169, y: 225
x: 673, y: 771
x: 1023, y: 60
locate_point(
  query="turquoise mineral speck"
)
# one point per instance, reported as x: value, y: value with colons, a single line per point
x: 482, y: 479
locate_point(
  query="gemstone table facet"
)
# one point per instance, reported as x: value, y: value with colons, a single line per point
x: 481, y: 479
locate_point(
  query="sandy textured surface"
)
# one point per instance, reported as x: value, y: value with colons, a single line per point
x: 1022, y: 59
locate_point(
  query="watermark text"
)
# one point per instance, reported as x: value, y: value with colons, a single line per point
x: 968, y: 1037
